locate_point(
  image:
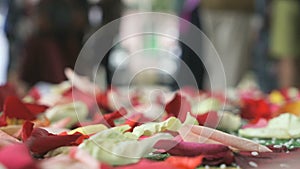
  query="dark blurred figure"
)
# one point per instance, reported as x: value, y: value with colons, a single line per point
x: 112, y: 9
x: 189, y: 10
x: 18, y: 27
x: 263, y: 65
x: 57, y: 41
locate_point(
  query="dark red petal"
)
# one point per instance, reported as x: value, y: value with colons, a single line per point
x: 212, y: 153
x: 3, y: 121
x: 40, y: 141
x: 15, y: 108
x: 279, y: 158
x: 16, y: 156
x: 103, y: 101
x: 178, y: 107
x: 26, y: 130
x: 35, y: 108
x: 5, y: 91
x: 209, y: 119
x: 109, y: 118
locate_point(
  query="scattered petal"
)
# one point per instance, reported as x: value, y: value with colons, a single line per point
x: 16, y: 156
x: 178, y: 107
x: 40, y: 141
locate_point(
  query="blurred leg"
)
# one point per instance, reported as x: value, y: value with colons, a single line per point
x: 286, y: 72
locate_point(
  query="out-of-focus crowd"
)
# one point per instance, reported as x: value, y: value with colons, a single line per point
x: 40, y: 38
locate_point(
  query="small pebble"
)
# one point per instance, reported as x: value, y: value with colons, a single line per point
x: 223, y: 166
x: 254, y: 153
x: 253, y: 164
x: 206, y: 167
x: 277, y: 146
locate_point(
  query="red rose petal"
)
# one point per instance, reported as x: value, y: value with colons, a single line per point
x: 213, y: 153
x: 3, y: 121
x: 178, y: 107
x: 40, y: 141
x: 26, y: 130
x: 109, y: 118
x: 15, y: 108
x: 279, y: 158
x: 103, y: 100
x: 209, y: 119
x: 253, y: 109
x: 16, y: 157
x: 170, y: 163
x: 148, y: 164
x: 5, y: 91
x: 35, y: 108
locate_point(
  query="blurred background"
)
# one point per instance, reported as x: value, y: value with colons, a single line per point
x: 257, y: 41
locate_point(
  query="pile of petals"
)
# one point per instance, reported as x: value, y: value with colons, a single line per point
x: 76, y: 125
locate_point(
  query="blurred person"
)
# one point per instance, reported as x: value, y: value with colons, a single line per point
x: 262, y: 64
x: 285, y: 40
x: 3, y: 43
x: 57, y: 41
x: 190, y: 11
x: 227, y: 23
x: 18, y: 27
x: 112, y: 9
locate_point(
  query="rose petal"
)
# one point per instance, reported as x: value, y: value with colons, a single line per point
x: 35, y: 108
x: 148, y: 164
x: 15, y: 108
x: 16, y: 157
x: 6, y: 139
x: 178, y: 107
x: 209, y: 119
x: 224, y: 138
x: 189, y: 148
x: 185, y: 162
x: 107, y: 119
x: 260, y: 123
x: 103, y: 101
x: 213, y: 154
x: 136, y: 120
x: 279, y: 158
x: 40, y: 141
x: 255, y: 109
x: 5, y: 91
x: 26, y: 130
